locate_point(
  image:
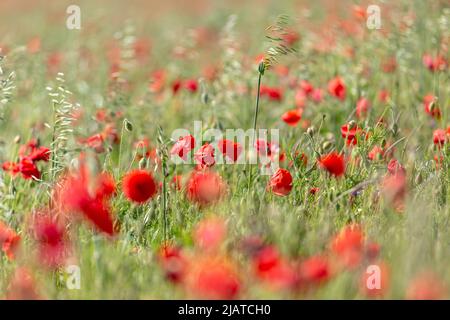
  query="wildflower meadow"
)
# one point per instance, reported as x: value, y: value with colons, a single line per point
x: 232, y: 150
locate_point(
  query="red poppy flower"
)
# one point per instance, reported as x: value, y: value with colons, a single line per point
x: 372, y: 251
x: 213, y: 277
x: 210, y: 233
x: 95, y: 142
x: 333, y: 163
x: 275, y: 271
x: 376, y: 153
x: 52, y: 245
x: 272, y: 93
x: 292, y: 117
x: 205, y: 187
x: 40, y: 154
x: 9, y: 240
x: 394, y: 189
x: 349, y: 132
x: 173, y: 262
x: 28, y: 169
x: 434, y: 64
x: 266, y: 149
x: 182, y: 147
x: 231, y: 150
x: 426, y: 286
x: 281, y: 182
x: 389, y: 65
x: 81, y: 193
x: 176, y: 86
x: 307, y: 87
x: 317, y: 95
x: 362, y: 107
x: 22, y: 286
x: 29, y: 154
x: 348, y: 245
x: 431, y: 107
x: 158, y: 80
x: 290, y: 37
x: 336, y: 88
x: 315, y: 270
x: 106, y: 186
x: 383, y: 96
x: 439, y: 137
x: 300, y: 99
x: 11, y: 167
x: 139, y: 186
x: 191, y: 85
x: 359, y: 13
x: 204, y: 156
x: 394, y: 167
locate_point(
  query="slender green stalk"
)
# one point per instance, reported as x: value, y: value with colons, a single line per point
x: 255, y: 119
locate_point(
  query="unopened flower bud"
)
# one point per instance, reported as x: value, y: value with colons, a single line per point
x: 261, y: 67
x: 311, y: 131
x: 128, y: 125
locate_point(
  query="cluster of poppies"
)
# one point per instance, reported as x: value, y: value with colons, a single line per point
x: 29, y: 155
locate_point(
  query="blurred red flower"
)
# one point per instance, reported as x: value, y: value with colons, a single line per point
x: 333, y: 163
x: 231, y: 150
x: 272, y: 93
x: 204, y: 156
x: 275, y: 271
x: 336, y: 88
x: 139, y: 186
x: 173, y: 262
x: 349, y: 132
x: 348, y: 245
x: 439, y: 137
x: 437, y: 63
x: 9, y: 240
x: 292, y: 117
x: 213, y: 277
x: 362, y: 107
x: 430, y: 106
x: 315, y: 270
x: 29, y: 154
x: 183, y: 146
x: 210, y: 233
x: 22, y: 286
x: 280, y: 182
x: 191, y: 85
x: 81, y: 193
x: 205, y: 187
x: 426, y: 286
x: 53, y: 247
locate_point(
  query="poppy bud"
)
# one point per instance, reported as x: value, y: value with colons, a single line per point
x: 128, y: 125
x: 143, y: 163
x: 311, y: 131
x: 205, y: 97
x: 352, y: 124
x: 261, y: 67
x: 327, y: 145
x: 433, y: 106
x: 17, y: 139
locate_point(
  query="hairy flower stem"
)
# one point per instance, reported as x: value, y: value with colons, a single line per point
x: 164, y: 203
x: 120, y: 150
x: 255, y: 119
x: 164, y: 158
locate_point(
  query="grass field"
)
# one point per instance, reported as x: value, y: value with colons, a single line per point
x: 101, y: 198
